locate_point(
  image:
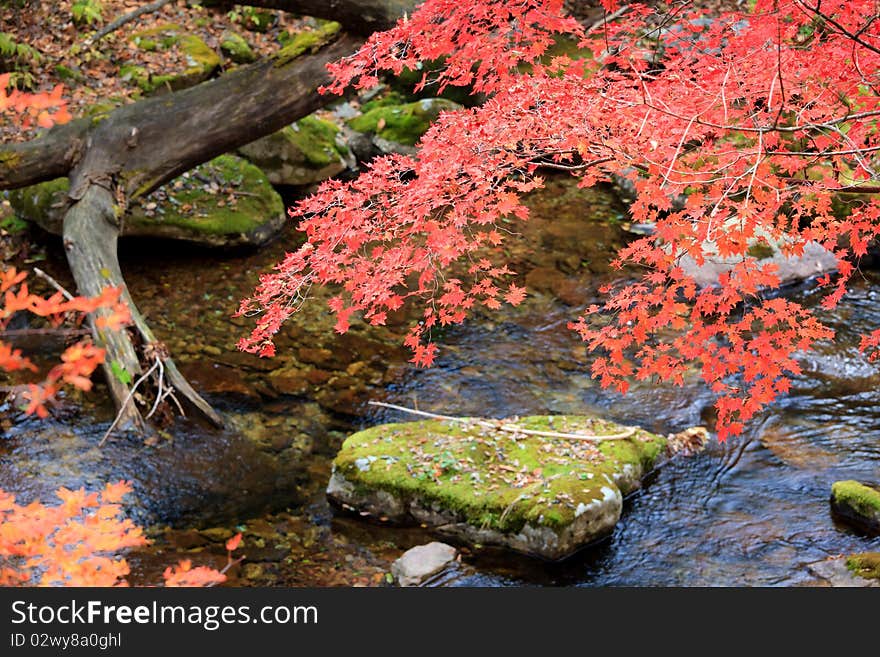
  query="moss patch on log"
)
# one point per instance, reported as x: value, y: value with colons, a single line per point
x: 308, y: 41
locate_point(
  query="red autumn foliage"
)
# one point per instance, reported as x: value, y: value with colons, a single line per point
x: 75, y: 543
x: 78, y: 361
x: 757, y: 119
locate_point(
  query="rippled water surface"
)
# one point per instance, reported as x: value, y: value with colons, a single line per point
x: 752, y: 511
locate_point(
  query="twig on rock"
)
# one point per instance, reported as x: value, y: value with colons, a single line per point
x: 511, y: 428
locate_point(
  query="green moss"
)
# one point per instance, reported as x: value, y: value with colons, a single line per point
x: 134, y: 73
x: 404, y: 124
x: 166, y: 33
x: 35, y: 203
x: 760, y: 251
x: 236, y: 48
x: 391, y: 98
x: 862, y: 499
x: 316, y: 139
x: 199, y: 55
x: 196, y: 210
x: 495, y: 479
x: 201, y: 60
x: 308, y: 41
x: 184, y: 211
x: 67, y: 74
x: 864, y: 564
x: 9, y: 158
x: 12, y: 225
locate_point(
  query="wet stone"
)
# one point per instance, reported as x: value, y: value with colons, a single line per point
x: 528, y: 493
x: 421, y: 563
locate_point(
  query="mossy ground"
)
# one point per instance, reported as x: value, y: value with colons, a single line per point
x: 864, y: 564
x: 237, y: 49
x: 495, y: 479
x: 861, y: 498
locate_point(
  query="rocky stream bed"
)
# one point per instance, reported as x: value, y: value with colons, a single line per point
x: 754, y: 510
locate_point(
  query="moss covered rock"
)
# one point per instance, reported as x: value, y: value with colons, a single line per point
x: 858, y: 504
x: 200, y: 60
x: 236, y: 48
x: 304, y: 153
x: 864, y: 564
x: 537, y: 495
x: 397, y: 128
x: 224, y: 202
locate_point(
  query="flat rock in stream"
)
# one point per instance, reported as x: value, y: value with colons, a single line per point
x: 417, y: 565
x: 815, y: 261
x: 532, y: 494
x: 845, y: 571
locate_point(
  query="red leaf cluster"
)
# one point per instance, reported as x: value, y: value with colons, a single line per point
x: 76, y: 543
x: 79, y: 360
x: 759, y: 120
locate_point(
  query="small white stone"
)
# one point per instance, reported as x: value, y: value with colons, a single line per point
x: 421, y: 562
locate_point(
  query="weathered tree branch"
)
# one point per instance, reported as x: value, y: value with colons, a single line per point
x: 145, y: 144
x: 49, y: 156
x: 356, y: 16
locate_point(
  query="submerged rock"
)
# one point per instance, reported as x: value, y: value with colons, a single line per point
x: 848, y: 571
x: 419, y: 564
x: 865, y: 565
x: 533, y: 494
x: 304, y: 153
x: 858, y: 504
x: 224, y: 202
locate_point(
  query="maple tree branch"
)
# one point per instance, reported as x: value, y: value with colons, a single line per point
x: 854, y: 37
x: 509, y: 427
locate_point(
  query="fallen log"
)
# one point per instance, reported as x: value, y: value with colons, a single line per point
x: 113, y: 158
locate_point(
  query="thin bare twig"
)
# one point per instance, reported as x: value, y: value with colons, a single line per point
x: 127, y: 18
x: 128, y: 399
x: 509, y: 427
x: 39, y: 272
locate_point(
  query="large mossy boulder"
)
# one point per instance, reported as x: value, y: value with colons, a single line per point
x: 304, y: 153
x: 533, y: 494
x: 394, y: 128
x: 224, y: 202
x: 857, y: 504
x: 199, y: 60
